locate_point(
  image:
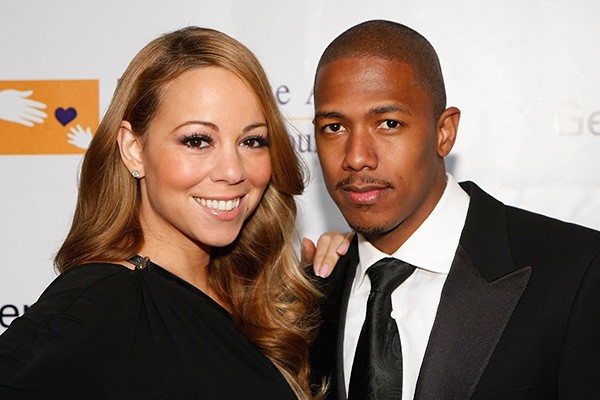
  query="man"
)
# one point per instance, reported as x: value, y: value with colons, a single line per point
x: 502, y: 303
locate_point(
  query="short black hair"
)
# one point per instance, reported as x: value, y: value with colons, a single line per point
x: 396, y: 42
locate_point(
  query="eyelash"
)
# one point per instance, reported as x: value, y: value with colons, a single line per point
x: 198, y: 138
x: 339, y: 126
x: 260, y: 140
x: 396, y: 123
x: 328, y: 127
x: 187, y: 140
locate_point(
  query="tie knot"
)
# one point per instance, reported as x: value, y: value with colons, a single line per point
x: 388, y: 273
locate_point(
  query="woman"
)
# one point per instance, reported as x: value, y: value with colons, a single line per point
x: 179, y: 278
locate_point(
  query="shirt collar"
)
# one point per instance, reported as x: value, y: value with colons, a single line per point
x: 433, y: 245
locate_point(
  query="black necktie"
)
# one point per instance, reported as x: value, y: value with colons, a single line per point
x: 377, y: 368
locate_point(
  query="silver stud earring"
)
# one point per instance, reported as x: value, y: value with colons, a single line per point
x: 135, y: 174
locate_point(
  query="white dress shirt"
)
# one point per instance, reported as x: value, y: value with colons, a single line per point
x: 430, y: 249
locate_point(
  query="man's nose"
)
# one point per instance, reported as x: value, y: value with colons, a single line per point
x: 360, y: 151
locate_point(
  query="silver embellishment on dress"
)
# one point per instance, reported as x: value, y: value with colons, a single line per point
x: 143, y: 264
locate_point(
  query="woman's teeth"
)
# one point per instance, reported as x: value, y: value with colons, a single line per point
x: 221, y: 205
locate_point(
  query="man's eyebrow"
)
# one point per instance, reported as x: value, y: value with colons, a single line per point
x: 387, y: 109
x: 330, y: 114
x: 374, y: 111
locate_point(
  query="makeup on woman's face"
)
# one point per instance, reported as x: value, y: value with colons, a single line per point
x: 206, y: 159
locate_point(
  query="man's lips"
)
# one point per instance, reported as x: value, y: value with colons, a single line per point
x: 364, y: 196
x: 363, y: 190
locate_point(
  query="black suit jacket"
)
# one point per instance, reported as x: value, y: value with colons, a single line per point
x: 519, y: 314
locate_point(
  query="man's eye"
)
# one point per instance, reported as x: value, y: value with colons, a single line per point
x: 333, y: 128
x: 389, y: 124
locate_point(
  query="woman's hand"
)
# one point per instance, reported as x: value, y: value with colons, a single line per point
x: 330, y: 247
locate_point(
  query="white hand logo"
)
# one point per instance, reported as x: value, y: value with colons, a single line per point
x: 16, y: 107
x: 80, y: 137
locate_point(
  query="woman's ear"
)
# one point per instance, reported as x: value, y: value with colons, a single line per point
x: 447, y: 130
x: 130, y: 147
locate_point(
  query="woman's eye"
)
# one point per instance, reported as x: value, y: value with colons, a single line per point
x: 333, y: 128
x: 197, y: 141
x: 389, y: 124
x: 256, y: 141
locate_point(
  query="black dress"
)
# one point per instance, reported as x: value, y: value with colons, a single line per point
x: 103, y: 331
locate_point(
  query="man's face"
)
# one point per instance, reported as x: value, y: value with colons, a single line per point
x: 380, y: 147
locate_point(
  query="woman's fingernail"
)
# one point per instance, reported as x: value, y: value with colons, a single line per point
x: 342, y: 249
x: 324, y: 271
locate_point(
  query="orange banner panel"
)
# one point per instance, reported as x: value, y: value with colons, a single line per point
x: 48, y: 117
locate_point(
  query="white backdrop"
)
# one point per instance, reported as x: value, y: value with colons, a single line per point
x: 524, y: 74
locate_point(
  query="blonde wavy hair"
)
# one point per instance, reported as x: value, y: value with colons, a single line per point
x: 273, y: 303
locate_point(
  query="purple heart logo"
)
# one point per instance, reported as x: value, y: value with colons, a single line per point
x: 65, y: 116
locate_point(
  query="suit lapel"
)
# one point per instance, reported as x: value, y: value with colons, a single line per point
x: 478, y: 299
x: 470, y: 320
x: 328, y: 352
x: 339, y: 370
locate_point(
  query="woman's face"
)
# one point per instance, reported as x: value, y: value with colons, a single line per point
x: 206, y: 160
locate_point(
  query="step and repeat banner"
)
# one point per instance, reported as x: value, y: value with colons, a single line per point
x: 525, y: 75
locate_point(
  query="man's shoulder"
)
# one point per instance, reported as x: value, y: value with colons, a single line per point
x: 550, y: 234
x: 531, y: 236
x: 539, y: 222
x: 527, y: 220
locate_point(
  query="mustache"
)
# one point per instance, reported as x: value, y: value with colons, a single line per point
x: 362, y: 179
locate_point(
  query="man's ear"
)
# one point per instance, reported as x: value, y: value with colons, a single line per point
x: 130, y: 147
x: 447, y: 127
